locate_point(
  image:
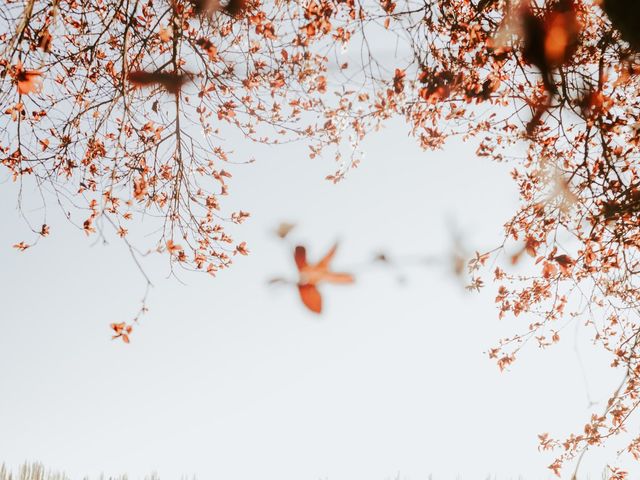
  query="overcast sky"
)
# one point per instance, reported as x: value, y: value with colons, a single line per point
x: 229, y: 378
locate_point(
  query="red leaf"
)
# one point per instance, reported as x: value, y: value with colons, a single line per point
x: 300, y: 257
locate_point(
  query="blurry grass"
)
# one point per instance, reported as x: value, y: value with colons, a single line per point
x: 36, y: 471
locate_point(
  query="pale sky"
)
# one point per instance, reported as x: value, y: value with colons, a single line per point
x: 231, y: 379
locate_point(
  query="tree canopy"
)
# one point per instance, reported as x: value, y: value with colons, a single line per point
x: 124, y: 108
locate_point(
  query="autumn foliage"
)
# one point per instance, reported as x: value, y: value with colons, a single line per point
x: 121, y: 109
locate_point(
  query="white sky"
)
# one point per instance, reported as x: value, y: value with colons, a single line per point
x: 229, y: 378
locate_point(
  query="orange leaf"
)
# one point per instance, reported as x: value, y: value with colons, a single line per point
x: 565, y: 262
x: 548, y: 269
x: 311, y: 297
x: 326, y: 260
x: 173, y: 247
x: 29, y: 81
x: 209, y: 48
x: 242, y: 248
x: 21, y: 246
x: 140, y: 188
x: 165, y: 34
x: 44, y: 41
x: 333, y: 277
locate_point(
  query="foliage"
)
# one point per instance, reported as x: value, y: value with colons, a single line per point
x: 121, y: 108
